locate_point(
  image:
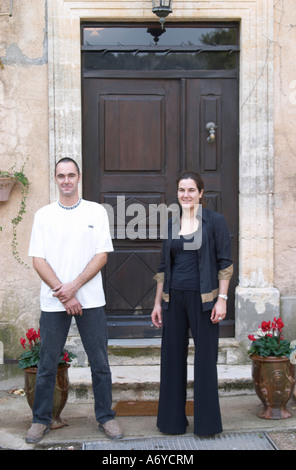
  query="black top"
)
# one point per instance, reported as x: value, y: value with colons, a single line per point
x: 185, y: 270
x: 214, y: 256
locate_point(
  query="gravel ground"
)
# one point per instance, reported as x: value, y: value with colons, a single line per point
x: 284, y: 440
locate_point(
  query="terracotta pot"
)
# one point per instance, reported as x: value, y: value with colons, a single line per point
x: 274, y: 380
x: 60, y: 392
x: 6, y: 185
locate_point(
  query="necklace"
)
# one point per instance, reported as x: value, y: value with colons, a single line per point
x: 69, y: 208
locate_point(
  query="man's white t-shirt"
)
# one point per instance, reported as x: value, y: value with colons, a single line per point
x: 68, y: 239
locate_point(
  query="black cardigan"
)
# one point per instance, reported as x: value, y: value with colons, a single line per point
x: 214, y: 255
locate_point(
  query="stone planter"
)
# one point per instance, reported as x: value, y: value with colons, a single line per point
x: 274, y: 380
x: 6, y: 185
x: 60, y: 392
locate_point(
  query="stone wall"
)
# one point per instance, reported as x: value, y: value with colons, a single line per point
x: 23, y: 134
x: 285, y: 159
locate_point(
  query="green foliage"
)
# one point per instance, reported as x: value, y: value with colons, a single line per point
x: 30, y: 358
x: 23, y: 180
x: 269, y: 346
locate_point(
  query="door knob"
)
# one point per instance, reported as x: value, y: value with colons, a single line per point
x: 211, y: 128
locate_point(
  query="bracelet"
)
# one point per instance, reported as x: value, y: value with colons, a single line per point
x: 223, y: 296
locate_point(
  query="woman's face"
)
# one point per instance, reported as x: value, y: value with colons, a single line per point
x: 188, y: 193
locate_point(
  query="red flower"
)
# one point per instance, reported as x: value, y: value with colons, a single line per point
x: 265, y: 326
x: 32, y: 335
x: 278, y: 324
x: 23, y: 342
x: 66, y: 357
x: 252, y: 338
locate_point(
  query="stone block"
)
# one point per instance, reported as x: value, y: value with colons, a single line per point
x: 1, y: 353
x: 288, y: 315
x: 253, y: 305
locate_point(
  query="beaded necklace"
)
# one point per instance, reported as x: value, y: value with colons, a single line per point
x: 69, y: 208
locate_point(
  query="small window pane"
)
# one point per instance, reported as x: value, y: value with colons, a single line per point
x: 152, y: 34
x: 159, y: 61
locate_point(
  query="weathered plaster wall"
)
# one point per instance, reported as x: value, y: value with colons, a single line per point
x: 23, y: 133
x: 285, y: 158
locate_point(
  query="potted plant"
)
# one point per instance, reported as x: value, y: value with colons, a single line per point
x: 7, y: 181
x: 273, y: 368
x: 29, y: 360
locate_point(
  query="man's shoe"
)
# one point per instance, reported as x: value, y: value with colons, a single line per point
x: 111, y: 429
x: 36, y: 432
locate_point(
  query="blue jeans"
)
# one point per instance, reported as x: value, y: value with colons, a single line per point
x: 54, y: 329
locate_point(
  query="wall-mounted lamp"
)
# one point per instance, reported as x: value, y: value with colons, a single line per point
x: 162, y: 8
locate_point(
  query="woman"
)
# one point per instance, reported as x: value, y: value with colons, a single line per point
x: 192, y: 285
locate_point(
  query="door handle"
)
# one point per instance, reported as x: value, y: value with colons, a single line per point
x: 211, y: 128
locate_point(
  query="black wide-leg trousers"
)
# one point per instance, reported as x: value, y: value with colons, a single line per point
x: 184, y: 312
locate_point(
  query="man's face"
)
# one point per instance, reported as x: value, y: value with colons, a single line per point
x: 67, y: 179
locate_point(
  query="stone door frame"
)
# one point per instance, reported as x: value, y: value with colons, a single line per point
x: 255, y: 294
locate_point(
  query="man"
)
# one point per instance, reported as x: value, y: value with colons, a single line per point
x: 69, y: 244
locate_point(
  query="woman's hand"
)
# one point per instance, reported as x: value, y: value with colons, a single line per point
x: 219, y: 311
x: 156, y: 316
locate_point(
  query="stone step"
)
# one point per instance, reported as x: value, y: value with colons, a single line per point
x: 141, y: 382
x: 135, y: 366
x: 135, y: 382
x: 146, y: 351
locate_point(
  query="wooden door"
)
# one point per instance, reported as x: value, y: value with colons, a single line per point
x: 138, y: 134
x: 131, y: 135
